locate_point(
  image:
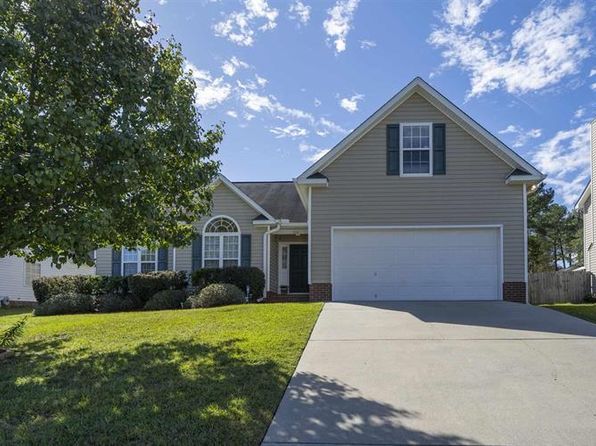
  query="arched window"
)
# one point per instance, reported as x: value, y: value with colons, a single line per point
x: 221, y: 243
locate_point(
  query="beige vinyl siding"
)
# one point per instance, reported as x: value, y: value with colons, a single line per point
x: 225, y: 202
x: 473, y: 192
x: 589, y: 218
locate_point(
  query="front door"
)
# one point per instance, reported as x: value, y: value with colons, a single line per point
x: 298, y: 268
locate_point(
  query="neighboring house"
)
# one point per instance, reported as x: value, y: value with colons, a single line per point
x: 585, y: 205
x: 418, y: 203
x: 16, y: 276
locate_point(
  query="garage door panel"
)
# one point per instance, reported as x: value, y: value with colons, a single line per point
x: 416, y: 264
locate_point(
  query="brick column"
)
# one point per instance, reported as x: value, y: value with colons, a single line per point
x: 320, y: 292
x: 514, y: 292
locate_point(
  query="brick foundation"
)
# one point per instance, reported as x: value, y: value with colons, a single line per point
x: 320, y: 292
x: 514, y: 292
x: 278, y: 298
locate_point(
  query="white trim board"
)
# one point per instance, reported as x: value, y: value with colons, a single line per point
x: 486, y: 226
x: 449, y: 108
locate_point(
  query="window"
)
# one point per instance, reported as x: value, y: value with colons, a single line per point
x: 140, y: 260
x: 221, y: 243
x: 416, y: 149
x: 32, y: 272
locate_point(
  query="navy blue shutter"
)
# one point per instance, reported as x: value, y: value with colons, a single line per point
x: 245, y: 253
x: 439, y: 158
x: 116, y: 262
x: 162, y: 259
x: 393, y: 149
x: 197, y: 252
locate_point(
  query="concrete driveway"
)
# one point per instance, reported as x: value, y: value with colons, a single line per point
x: 442, y: 373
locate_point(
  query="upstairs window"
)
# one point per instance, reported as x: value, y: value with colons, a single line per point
x: 221, y: 243
x: 416, y: 149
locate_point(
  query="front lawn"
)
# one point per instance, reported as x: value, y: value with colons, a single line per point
x: 212, y: 376
x: 583, y: 311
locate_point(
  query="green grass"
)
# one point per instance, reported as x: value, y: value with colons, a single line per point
x: 210, y: 376
x: 583, y: 311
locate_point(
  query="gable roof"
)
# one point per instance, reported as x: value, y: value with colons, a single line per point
x: 279, y: 198
x: 418, y: 85
x: 586, y: 193
x: 248, y: 200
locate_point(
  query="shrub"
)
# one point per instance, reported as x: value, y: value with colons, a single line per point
x: 113, y: 302
x: 236, y: 275
x: 166, y: 300
x: 45, y: 288
x: 216, y: 295
x: 65, y: 304
x: 144, y: 286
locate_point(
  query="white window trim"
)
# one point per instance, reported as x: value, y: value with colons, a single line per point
x: 138, y: 262
x: 221, y: 236
x: 401, y: 149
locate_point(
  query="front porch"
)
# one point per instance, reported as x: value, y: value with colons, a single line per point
x: 287, y: 271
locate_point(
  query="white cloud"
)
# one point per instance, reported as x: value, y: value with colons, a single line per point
x: 239, y: 26
x: 329, y: 125
x: 548, y: 45
x: 317, y: 102
x: 232, y: 113
x: 161, y: 2
x: 305, y: 147
x: 229, y: 67
x: 466, y: 13
x: 249, y: 116
x: 261, y: 80
x: 339, y: 23
x: 521, y: 136
x: 351, y: 104
x: 209, y: 91
x: 316, y: 155
x: 565, y: 158
x: 300, y: 12
x: 580, y: 112
x: 593, y: 72
x: 367, y: 44
x: 291, y: 131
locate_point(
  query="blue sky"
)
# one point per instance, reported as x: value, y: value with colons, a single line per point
x: 291, y: 78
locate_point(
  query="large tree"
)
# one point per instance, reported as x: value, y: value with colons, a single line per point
x: 555, y: 235
x: 100, y: 142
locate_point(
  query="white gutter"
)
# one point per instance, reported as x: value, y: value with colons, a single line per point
x: 525, y: 206
x: 174, y: 258
x: 266, y: 254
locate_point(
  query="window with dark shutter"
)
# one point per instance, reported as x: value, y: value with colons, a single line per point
x: 393, y: 149
x: 439, y: 156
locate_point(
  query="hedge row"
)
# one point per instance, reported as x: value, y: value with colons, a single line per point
x: 250, y: 280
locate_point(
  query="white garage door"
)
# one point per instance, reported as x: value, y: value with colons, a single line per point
x: 416, y: 264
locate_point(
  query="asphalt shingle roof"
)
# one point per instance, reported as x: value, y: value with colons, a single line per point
x: 279, y: 198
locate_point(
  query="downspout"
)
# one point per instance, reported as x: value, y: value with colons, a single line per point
x: 174, y: 258
x: 267, y: 253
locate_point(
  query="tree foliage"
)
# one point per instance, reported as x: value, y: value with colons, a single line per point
x: 100, y: 142
x: 555, y: 234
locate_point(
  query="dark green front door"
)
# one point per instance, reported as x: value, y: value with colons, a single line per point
x: 298, y: 268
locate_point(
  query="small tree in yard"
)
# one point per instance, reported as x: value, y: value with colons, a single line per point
x: 100, y: 142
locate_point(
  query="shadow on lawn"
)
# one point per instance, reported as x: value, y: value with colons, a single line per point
x: 172, y: 392
x: 322, y: 410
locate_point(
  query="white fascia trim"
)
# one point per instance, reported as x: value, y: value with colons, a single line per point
x: 281, y: 223
x: 524, y: 179
x: 242, y: 195
x: 490, y: 141
x: 584, y: 196
x: 314, y: 181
